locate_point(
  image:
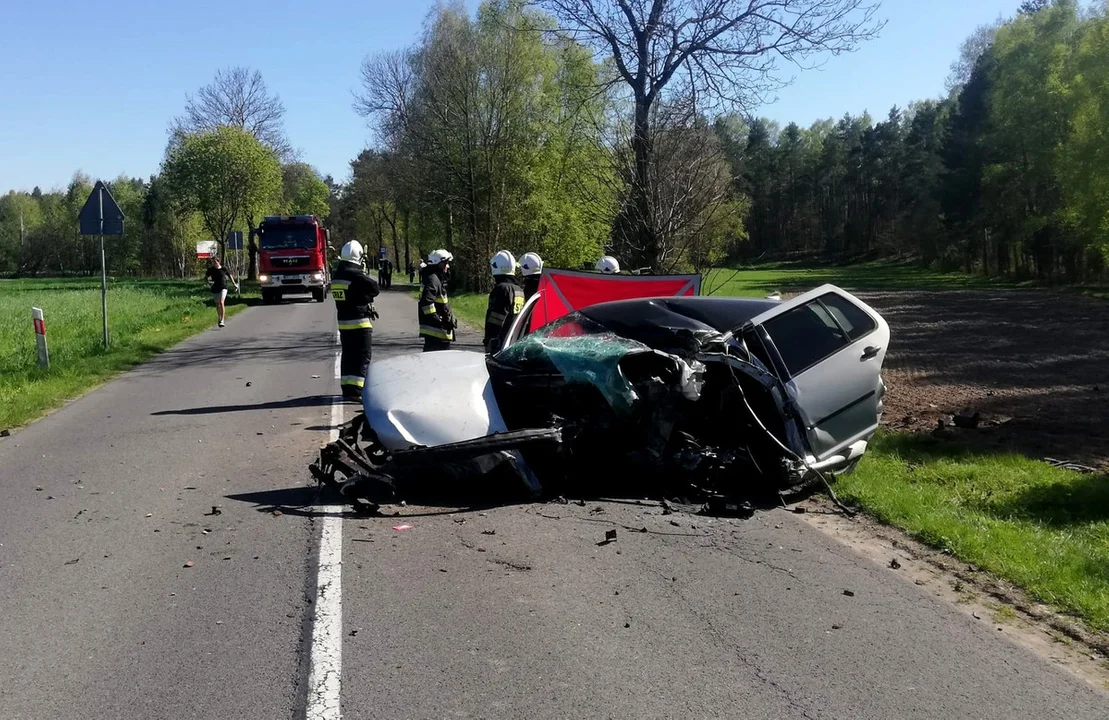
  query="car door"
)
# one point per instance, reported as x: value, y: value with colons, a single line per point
x: 829, y: 347
x: 519, y: 325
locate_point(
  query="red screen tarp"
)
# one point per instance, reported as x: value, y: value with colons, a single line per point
x: 564, y: 291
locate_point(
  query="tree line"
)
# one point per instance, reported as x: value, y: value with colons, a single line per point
x: 605, y: 127
x: 576, y: 129
x: 573, y: 128
x: 227, y: 164
x: 1007, y: 175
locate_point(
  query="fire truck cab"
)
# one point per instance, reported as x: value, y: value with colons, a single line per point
x: 292, y: 257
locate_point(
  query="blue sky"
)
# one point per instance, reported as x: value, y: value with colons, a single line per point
x: 92, y: 86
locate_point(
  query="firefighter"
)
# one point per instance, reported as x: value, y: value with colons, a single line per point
x: 531, y: 265
x: 354, y: 292
x: 437, y: 321
x: 506, y: 300
x: 608, y: 265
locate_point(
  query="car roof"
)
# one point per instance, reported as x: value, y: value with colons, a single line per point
x: 700, y: 313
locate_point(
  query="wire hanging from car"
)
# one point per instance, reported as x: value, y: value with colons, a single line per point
x: 728, y: 359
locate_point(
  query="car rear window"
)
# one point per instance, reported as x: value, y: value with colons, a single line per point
x: 808, y: 334
x: 850, y: 316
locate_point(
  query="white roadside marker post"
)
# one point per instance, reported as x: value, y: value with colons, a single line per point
x: 40, y: 338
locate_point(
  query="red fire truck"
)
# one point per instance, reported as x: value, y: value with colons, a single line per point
x: 292, y: 257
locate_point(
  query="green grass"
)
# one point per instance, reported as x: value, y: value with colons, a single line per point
x: 874, y: 276
x: 1042, y: 528
x: 144, y: 318
x: 763, y: 279
x: 469, y: 308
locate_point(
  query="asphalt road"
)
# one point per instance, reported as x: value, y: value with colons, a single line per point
x: 508, y: 611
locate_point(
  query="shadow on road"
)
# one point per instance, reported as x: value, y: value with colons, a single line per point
x: 308, y: 501
x: 283, y: 347
x: 310, y: 401
x: 304, y: 501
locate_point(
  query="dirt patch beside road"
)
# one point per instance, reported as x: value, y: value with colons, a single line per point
x: 1034, y: 364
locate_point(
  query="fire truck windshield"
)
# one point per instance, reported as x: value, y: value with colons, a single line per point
x: 287, y: 237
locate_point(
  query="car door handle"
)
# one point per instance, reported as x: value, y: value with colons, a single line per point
x: 870, y: 351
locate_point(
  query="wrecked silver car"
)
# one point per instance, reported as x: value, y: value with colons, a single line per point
x: 701, y: 399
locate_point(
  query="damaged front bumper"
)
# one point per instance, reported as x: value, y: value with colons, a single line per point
x: 368, y: 475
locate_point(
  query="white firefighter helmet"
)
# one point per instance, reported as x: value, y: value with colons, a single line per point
x: 437, y: 256
x: 503, y: 263
x: 608, y: 265
x: 352, y: 252
x: 531, y: 264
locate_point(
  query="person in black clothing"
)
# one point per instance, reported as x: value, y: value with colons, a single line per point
x: 354, y: 292
x: 437, y: 321
x: 217, y: 277
x: 531, y: 265
x: 506, y: 300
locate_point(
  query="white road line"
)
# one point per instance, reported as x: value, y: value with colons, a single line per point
x: 326, y: 670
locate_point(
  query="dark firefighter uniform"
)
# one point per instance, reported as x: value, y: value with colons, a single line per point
x: 354, y: 292
x: 531, y: 285
x: 437, y: 321
x: 506, y: 300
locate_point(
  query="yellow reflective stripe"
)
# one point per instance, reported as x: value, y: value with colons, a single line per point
x: 354, y: 380
x: 355, y: 324
x: 442, y: 300
x: 429, y: 310
x: 341, y: 283
x: 435, y: 333
x: 496, y: 317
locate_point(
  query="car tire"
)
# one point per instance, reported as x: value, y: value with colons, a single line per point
x: 318, y: 295
x: 267, y: 297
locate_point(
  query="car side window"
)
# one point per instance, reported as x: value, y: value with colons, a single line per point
x: 851, y: 317
x: 805, y: 335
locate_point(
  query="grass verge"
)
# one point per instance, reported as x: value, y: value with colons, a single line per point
x: 1040, y: 527
x: 874, y: 276
x: 468, y: 307
x: 145, y: 317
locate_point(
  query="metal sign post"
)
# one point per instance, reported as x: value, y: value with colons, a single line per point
x: 103, y: 273
x: 235, y: 242
x: 101, y: 216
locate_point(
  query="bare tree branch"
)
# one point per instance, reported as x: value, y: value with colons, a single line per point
x: 720, y: 53
x: 237, y: 97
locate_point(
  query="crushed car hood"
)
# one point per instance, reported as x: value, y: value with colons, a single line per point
x: 430, y: 399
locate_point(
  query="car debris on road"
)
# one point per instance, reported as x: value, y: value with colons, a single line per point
x: 718, y: 399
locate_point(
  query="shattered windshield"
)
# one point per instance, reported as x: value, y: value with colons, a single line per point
x: 582, y: 351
